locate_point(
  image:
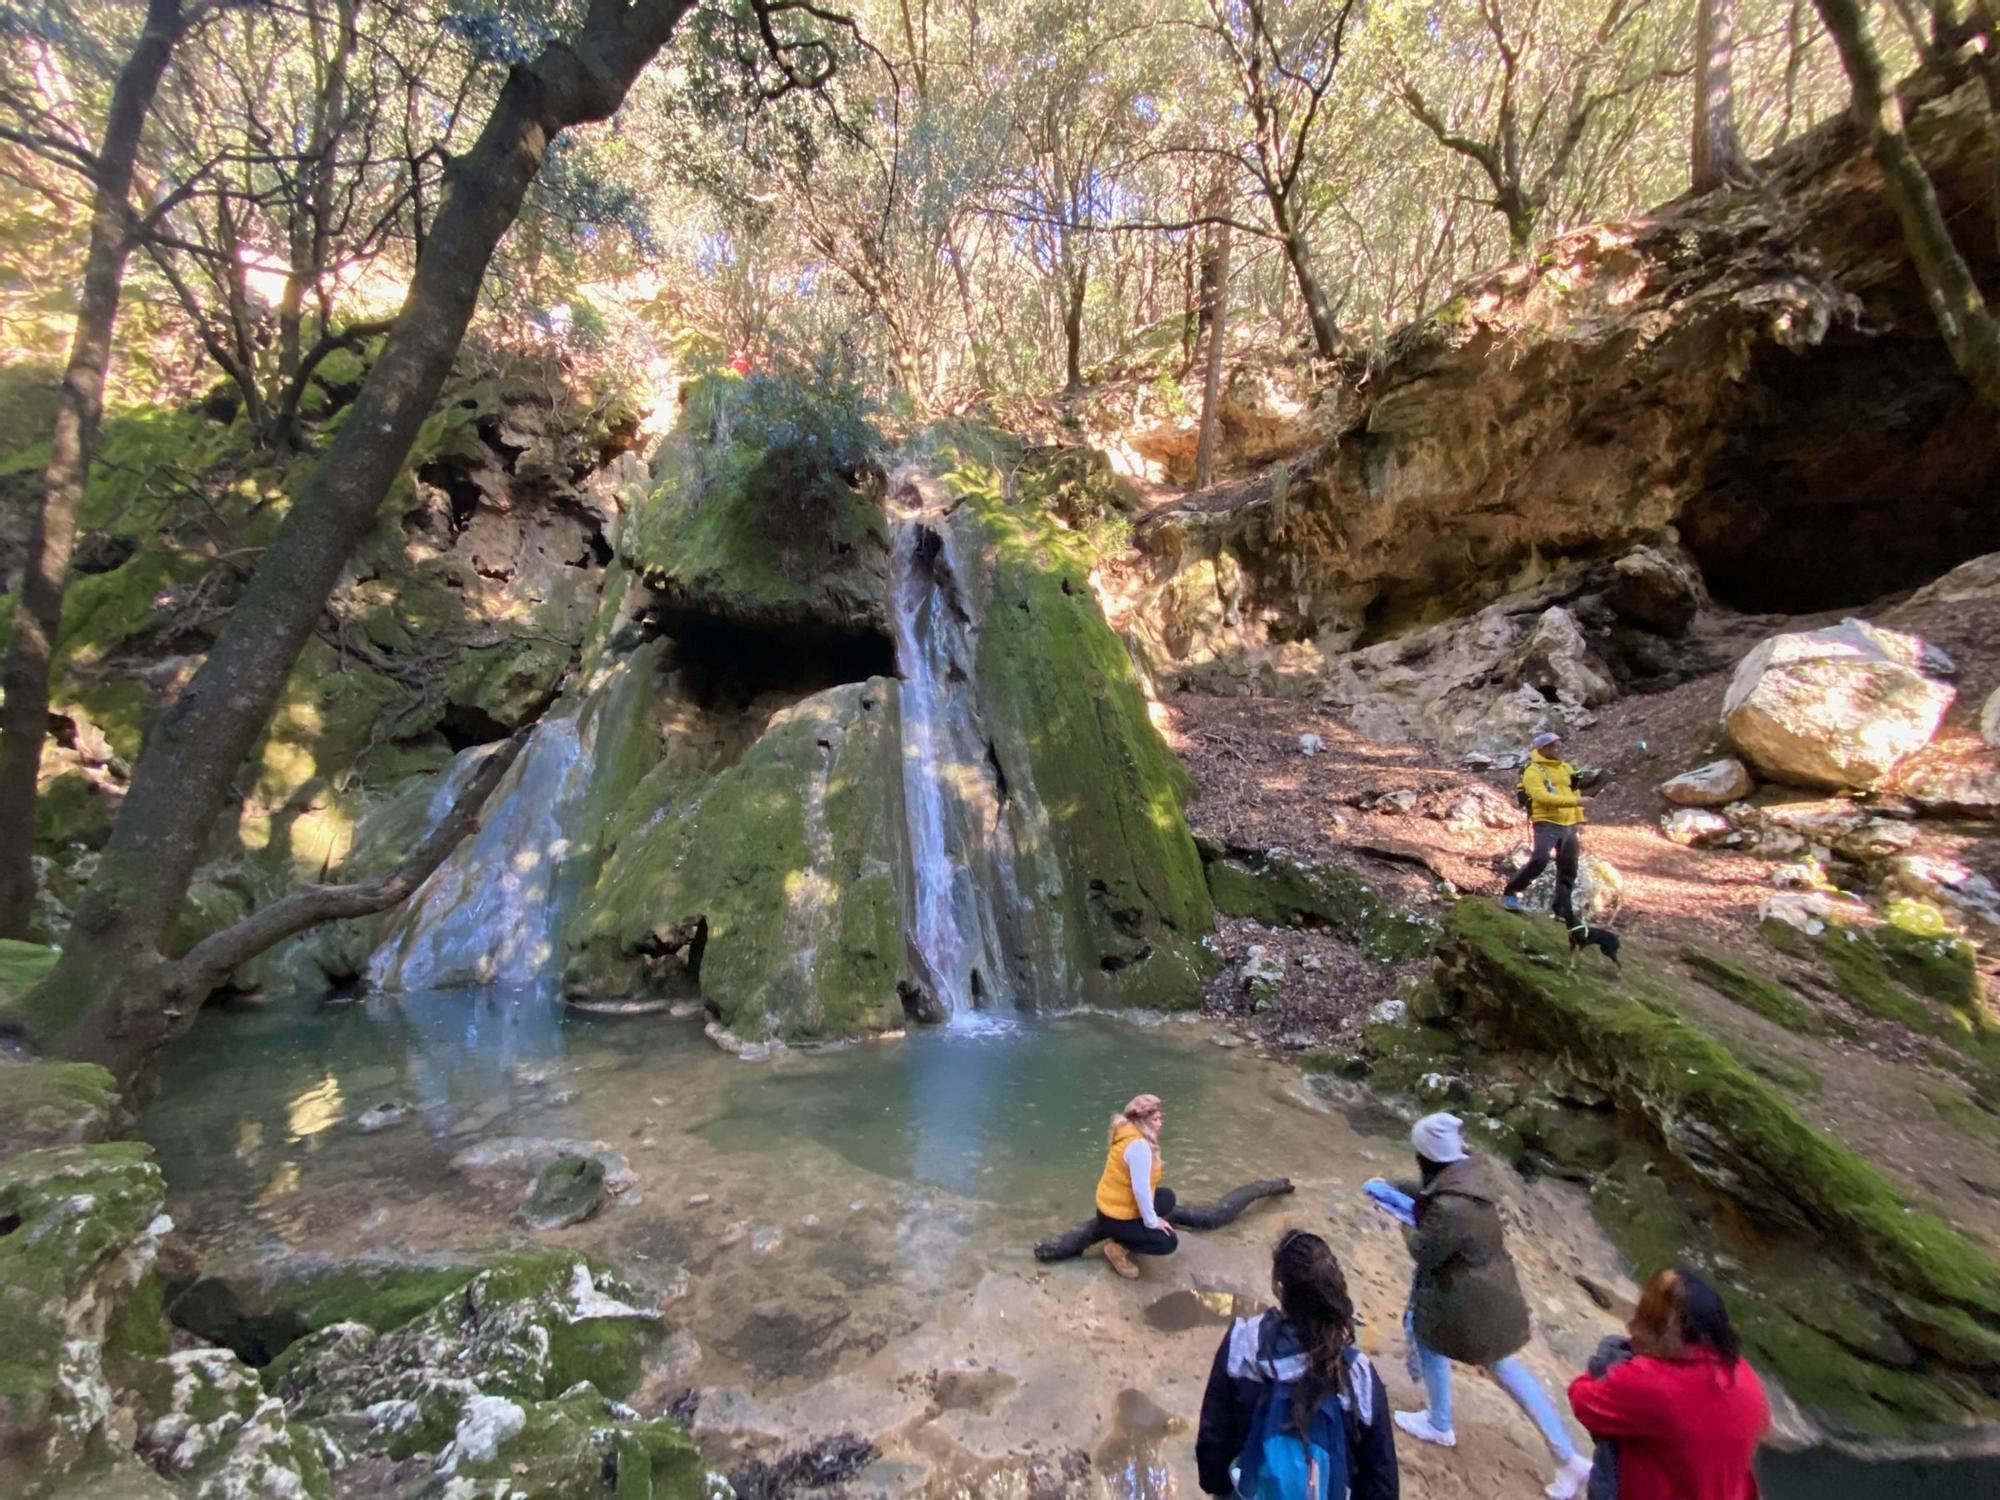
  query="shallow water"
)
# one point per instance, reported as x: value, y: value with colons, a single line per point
x: 842, y: 1237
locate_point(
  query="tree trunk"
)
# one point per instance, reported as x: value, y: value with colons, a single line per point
x: 1718, y: 154
x: 1969, y: 328
x: 1217, y: 279
x: 1075, y: 285
x: 1225, y: 1210
x: 108, y: 997
x: 24, y: 716
x: 1328, y: 342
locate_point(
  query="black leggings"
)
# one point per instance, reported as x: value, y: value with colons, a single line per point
x: 1133, y: 1233
x: 1565, y: 844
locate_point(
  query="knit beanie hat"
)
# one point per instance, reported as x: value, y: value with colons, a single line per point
x: 1437, y: 1137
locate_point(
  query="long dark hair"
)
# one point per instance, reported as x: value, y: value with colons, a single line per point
x: 1312, y: 1294
x: 1678, y: 1312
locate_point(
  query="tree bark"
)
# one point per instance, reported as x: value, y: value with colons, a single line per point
x: 1217, y: 280
x: 24, y: 716
x: 1076, y: 284
x: 1718, y: 153
x: 107, y: 998
x: 1073, y: 1242
x: 1328, y: 341
x: 1970, y: 331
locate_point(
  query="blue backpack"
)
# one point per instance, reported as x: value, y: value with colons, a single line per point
x: 1279, y: 1464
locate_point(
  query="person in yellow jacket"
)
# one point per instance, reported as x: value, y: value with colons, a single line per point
x: 1556, y: 808
x: 1132, y: 1207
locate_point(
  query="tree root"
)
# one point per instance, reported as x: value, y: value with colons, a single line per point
x: 1073, y: 1242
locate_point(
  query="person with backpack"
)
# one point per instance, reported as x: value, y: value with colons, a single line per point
x: 1686, y: 1411
x: 1132, y: 1207
x: 1466, y: 1302
x: 1293, y: 1411
x: 1548, y: 790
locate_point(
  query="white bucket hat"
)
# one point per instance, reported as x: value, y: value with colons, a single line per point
x: 1437, y: 1138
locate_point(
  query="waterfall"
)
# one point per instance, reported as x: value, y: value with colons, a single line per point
x: 961, y: 866
x: 493, y: 912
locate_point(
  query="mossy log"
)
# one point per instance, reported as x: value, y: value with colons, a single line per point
x: 1224, y: 1210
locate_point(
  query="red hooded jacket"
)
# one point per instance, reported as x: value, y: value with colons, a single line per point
x: 1686, y: 1429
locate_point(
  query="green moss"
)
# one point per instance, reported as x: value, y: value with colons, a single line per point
x: 574, y: 1446
x: 1280, y: 893
x: 1071, y: 733
x: 72, y: 808
x: 791, y: 855
x: 1871, y: 966
x: 1754, y: 991
x: 1941, y: 967
x: 1960, y: 1108
x: 49, y: 1103
x: 1666, y: 1070
x: 22, y: 967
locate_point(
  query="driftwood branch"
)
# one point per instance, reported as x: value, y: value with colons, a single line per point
x: 1073, y: 1242
x: 209, y: 962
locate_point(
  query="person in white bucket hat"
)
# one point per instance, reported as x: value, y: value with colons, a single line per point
x: 1466, y: 1302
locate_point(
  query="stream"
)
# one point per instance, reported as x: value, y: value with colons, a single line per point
x: 842, y: 1236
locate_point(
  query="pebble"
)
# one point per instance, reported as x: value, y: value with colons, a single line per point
x: 856, y: 1206
x: 765, y: 1240
x: 735, y: 1232
x: 382, y: 1116
x: 810, y: 1221
x: 697, y: 1200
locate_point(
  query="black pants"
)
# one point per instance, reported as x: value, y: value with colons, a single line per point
x: 1135, y: 1236
x: 1564, y: 843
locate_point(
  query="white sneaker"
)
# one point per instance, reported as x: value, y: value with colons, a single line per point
x: 1418, y: 1425
x: 1570, y: 1479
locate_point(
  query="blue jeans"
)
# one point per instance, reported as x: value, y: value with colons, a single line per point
x: 1516, y: 1379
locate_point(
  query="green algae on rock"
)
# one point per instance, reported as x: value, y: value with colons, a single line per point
x: 573, y: 1445
x: 1094, y: 794
x: 783, y: 872
x: 225, y: 1439
x: 1270, y: 887
x: 1508, y: 982
x: 56, y: 1104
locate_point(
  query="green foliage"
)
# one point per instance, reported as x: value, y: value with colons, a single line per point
x: 1754, y: 991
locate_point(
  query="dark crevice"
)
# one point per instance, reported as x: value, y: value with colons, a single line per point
x: 465, y: 725
x: 724, y: 662
x: 9, y: 1223
x: 459, y: 489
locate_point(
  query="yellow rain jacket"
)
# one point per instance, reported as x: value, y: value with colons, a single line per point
x: 1551, y: 788
x: 1114, y: 1189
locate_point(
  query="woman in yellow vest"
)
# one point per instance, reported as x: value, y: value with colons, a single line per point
x: 1132, y: 1207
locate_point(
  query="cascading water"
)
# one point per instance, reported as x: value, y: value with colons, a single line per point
x: 493, y: 912
x: 961, y: 867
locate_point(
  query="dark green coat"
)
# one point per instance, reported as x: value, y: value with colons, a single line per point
x: 1467, y: 1301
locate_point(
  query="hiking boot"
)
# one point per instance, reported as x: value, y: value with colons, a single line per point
x: 1512, y: 903
x: 1570, y: 1479
x: 1121, y: 1260
x: 1418, y: 1425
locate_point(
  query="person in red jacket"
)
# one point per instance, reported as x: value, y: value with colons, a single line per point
x: 1686, y: 1411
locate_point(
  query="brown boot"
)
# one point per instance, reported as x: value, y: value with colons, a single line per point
x: 1121, y: 1260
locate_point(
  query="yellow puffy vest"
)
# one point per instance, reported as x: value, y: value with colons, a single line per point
x: 1114, y: 1188
x: 1551, y: 788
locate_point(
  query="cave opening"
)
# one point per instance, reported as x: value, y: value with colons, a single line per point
x: 727, y: 663
x: 1852, y: 470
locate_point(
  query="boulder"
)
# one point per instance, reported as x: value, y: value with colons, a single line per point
x: 1958, y: 891
x: 1713, y: 785
x: 1951, y: 786
x: 1838, y: 707
x: 1696, y: 828
x: 1878, y: 838
x: 224, y: 1438
x: 1557, y: 660
x: 1263, y: 975
x: 1654, y: 591
x: 567, y: 1191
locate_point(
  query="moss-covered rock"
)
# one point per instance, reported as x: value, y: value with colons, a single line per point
x: 1094, y: 795
x: 1737, y: 1134
x: 1754, y: 991
x: 575, y: 1446
x: 767, y: 515
x: 56, y: 1104
x: 23, y: 966
x: 1278, y: 891
x: 225, y: 1439
x: 76, y: 1265
x: 782, y: 874
x: 527, y: 1330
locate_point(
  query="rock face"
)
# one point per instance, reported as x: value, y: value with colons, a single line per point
x: 1837, y: 707
x: 1713, y: 785
x: 1878, y: 1316
x: 1759, y: 378
x: 775, y: 887
x: 766, y: 517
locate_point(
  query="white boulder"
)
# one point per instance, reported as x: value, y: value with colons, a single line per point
x: 1835, y: 707
x: 1713, y: 785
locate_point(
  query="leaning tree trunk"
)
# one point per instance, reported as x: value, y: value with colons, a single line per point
x: 1717, y: 158
x: 24, y: 715
x: 109, y: 996
x: 1073, y: 1242
x: 1328, y: 341
x: 1969, y: 328
x: 1211, y: 386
